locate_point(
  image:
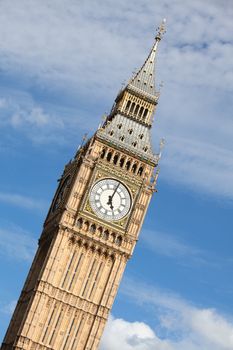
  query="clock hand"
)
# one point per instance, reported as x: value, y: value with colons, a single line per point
x: 115, y: 190
x: 110, y: 202
x: 111, y: 197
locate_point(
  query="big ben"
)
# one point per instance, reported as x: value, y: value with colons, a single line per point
x: 92, y: 226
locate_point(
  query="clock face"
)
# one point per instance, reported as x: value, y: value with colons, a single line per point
x: 110, y: 199
x: 61, y: 192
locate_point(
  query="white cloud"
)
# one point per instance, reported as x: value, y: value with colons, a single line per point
x: 16, y: 243
x: 22, y: 114
x: 81, y: 50
x: 68, y: 39
x: 41, y: 124
x: 23, y: 201
x: 200, y: 165
x: 120, y: 334
x: 180, y: 325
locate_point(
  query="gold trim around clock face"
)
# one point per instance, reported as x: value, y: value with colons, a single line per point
x: 110, y: 199
x: 110, y: 172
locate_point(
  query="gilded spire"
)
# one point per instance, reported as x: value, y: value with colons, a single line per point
x: 144, y: 80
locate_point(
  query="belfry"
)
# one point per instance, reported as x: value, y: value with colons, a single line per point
x: 92, y: 226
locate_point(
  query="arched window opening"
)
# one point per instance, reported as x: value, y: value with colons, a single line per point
x: 122, y: 160
x: 93, y: 228
x: 132, y: 107
x: 106, y: 235
x: 145, y: 113
x: 122, y: 138
x: 140, y: 171
x: 100, y: 231
x: 141, y: 136
x: 109, y: 156
x: 118, y: 240
x: 134, y: 143
x: 86, y: 226
x: 111, y: 132
x: 103, y: 153
x: 145, y: 149
x: 115, y: 159
x: 130, y: 131
x: 119, y: 126
x: 128, y: 165
x: 128, y: 105
x: 141, y: 111
x: 134, y: 168
x: 80, y: 223
x: 136, y: 109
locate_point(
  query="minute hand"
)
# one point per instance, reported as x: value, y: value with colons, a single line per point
x: 115, y: 190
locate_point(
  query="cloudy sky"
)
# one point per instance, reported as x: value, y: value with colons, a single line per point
x: 61, y: 66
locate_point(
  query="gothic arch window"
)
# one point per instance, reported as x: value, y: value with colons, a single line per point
x: 141, y: 136
x: 127, y: 165
x: 132, y: 107
x: 93, y: 228
x: 106, y: 235
x: 109, y: 156
x: 119, y: 126
x: 100, y: 231
x: 145, y: 149
x: 115, y: 159
x: 130, y: 131
x: 128, y: 105
x: 134, y: 168
x: 80, y: 223
x: 113, y: 237
x: 141, y: 111
x: 111, y: 132
x: 118, y: 240
x: 140, y: 171
x: 136, y: 110
x: 145, y: 113
x: 122, y: 160
x: 86, y: 226
x: 134, y: 143
x: 122, y: 138
x: 103, y: 153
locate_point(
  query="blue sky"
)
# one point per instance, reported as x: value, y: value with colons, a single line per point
x: 61, y: 66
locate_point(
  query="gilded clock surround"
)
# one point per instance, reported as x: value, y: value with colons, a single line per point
x: 75, y: 275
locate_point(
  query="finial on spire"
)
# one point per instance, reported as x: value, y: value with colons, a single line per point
x: 161, y: 30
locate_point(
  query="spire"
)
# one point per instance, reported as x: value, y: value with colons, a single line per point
x: 144, y: 80
x: 139, y: 98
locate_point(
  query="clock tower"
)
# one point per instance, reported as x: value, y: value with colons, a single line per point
x: 92, y: 227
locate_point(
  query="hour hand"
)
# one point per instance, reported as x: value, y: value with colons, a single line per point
x: 110, y: 202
